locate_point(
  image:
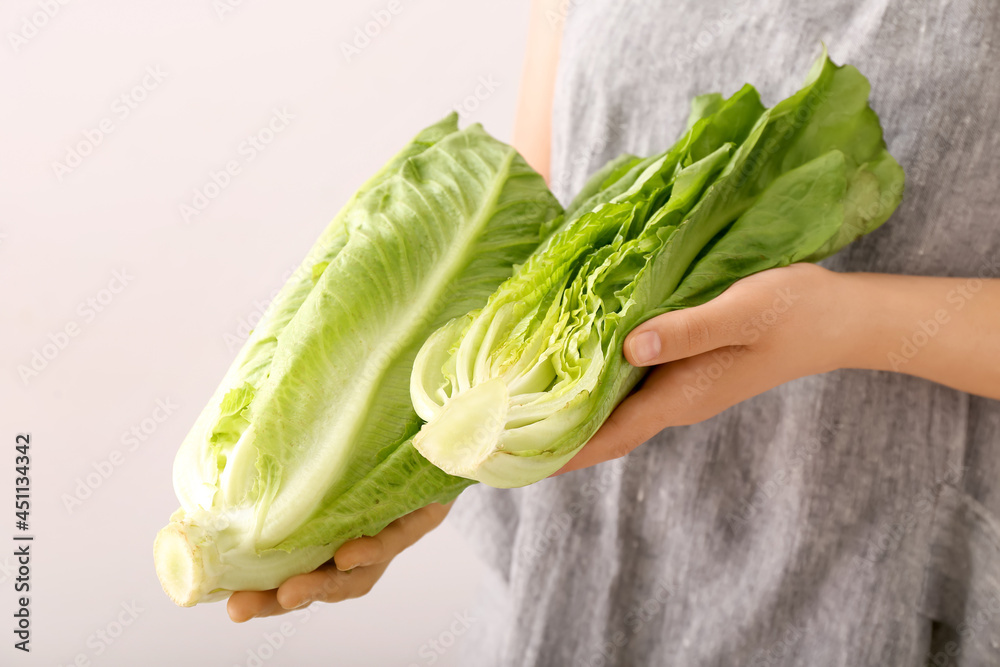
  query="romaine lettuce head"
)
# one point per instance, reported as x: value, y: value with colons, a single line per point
x: 513, y: 390
x: 307, y: 441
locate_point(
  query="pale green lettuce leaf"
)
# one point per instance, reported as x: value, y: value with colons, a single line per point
x: 306, y: 443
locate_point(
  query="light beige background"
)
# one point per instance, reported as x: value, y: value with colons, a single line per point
x: 167, y: 334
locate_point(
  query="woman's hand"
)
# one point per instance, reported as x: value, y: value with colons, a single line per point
x: 355, y: 568
x: 786, y: 323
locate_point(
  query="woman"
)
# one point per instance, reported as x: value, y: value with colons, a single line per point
x: 817, y: 489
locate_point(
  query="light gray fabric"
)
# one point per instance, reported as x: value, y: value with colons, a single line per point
x: 845, y: 519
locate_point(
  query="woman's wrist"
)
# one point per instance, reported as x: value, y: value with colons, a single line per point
x: 870, y: 319
x: 890, y: 319
x: 942, y: 329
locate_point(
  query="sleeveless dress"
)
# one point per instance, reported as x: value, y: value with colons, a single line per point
x: 851, y: 518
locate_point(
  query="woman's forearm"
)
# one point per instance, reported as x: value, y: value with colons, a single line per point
x: 942, y: 329
x: 533, y: 123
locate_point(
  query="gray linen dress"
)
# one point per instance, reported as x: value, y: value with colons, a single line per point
x: 851, y: 518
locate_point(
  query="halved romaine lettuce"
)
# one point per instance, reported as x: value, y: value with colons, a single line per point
x: 306, y: 443
x: 512, y: 391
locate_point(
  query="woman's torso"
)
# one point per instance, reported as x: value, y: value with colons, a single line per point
x: 843, y: 519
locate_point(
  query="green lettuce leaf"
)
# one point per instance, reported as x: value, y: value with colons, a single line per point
x: 512, y: 391
x: 306, y: 443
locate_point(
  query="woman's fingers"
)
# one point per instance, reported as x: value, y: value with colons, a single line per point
x: 638, y: 418
x: 680, y: 393
x: 358, y: 564
x: 741, y: 315
x: 244, y: 605
x: 353, y: 571
x: 689, y: 332
x: 328, y: 584
x: 396, y: 537
x: 325, y: 584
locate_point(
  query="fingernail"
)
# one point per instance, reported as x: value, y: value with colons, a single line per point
x: 645, y: 347
x: 298, y: 604
x: 364, y: 563
x: 347, y: 567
